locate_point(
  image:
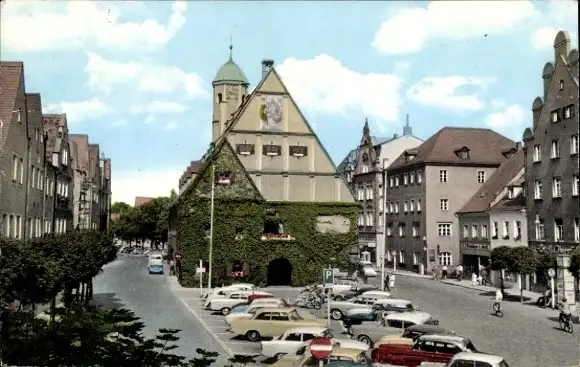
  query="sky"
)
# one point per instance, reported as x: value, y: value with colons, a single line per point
x: 136, y: 75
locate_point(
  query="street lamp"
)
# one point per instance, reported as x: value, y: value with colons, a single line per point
x: 394, y: 261
x: 424, y: 255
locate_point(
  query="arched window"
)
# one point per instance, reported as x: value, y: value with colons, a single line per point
x: 365, y: 162
x: 561, y: 85
x: 219, y: 98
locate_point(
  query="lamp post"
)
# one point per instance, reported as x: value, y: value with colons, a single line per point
x: 211, y: 218
x: 424, y: 255
x: 394, y: 253
x: 382, y: 272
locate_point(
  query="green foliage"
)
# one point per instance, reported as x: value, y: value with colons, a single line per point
x: 574, y: 266
x: 545, y: 261
x: 119, y: 207
x: 522, y: 260
x: 145, y: 222
x: 500, y: 257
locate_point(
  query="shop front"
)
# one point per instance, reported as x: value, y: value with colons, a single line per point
x: 474, y: 255
x: 367, y: 248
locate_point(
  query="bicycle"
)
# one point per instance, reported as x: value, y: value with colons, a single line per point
x: 497, y: 309
x: 566, y: 323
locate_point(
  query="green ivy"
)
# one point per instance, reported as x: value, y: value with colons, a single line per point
x: 240, y: 206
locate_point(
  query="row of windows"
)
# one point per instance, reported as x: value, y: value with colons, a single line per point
x: 402, y: 227
x: 556, y: 187
x: 477, y: 231
x: 558, y: 230
x: 409, y: 206
x: 12, y: 226
x: 365, y: 191
x: 445, y: 258
x: 271, y: 150
x: 411, y: 178
x: 562, y: 114
x: 555, y: 149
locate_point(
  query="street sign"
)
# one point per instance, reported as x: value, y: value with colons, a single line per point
x: 551, y: 272
x: 200, y: 270
x: 327, y: 276
x: 321, y: 348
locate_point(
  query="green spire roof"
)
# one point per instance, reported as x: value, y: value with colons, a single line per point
x: 230, y: 73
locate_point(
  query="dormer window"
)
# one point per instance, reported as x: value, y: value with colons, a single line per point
x: 245, y: 149
x: 224, y: 178
x: 272, y: 150
x: 561, y: 85
x: 462, y: 153
x: 298, y: 151
x: 510, y: 193
x: 509, y: 153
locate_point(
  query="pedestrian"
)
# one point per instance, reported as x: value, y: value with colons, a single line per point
x: 392, y: 282
x: 479, y: 279
x: 473, y: 280
x: 387, y: 282
x: 171, y: 267
x: 459, y: 271
x: 444, y: 271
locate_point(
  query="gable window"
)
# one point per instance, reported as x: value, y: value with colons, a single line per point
x: 444, y: 204
x: 558, y: 230
x: 224, y: 178
x: 14, y: 168
x: 575, y: 185
x: 574, y: 144
x: 298, y: 151
x: 64, y: 157
x: 480, y: 176
x: 537, y: 156
x: 555, y: 115
x: 540, y: 234
x: 569, y: 111
x: 537, y: 190
x: 443, y: 176
x: 365, y: 162
x: 510, y: 193
x: 419, y: 176
x: 245, y: 149
x: 557, y: 187
x: 272, y: 150
x: 391, y: 181
x: 19, y: 115
x: 444, y: 229
x: 555, y: 150
x: 506, y: 229
x: 561, y: 85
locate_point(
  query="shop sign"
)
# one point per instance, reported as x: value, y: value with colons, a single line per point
x: 475, y: 246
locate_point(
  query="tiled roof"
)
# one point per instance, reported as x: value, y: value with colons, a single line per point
x: 485, y: 147
x: 34, y: 111
x: 93, y: 160
x: 141, y: 200
x: 507, y: 204
x: 82, y: 144
x: 11, y: 75
x: 502, y: 176
x: 194, y: 167
x: 51, y: 124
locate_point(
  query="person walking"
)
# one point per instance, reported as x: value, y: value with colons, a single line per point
x: 444, y: 272
x: 459, y: 271
x: 392, y: 282
x: 473, y: 280
x: 387, y: 282
x: 171, y: 267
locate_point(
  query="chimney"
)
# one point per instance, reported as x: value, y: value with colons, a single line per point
x: 266, y: 67
x: 395, y: 136
x: 407, y: 130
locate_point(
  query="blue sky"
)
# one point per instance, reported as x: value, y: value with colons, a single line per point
x: 136, y: 76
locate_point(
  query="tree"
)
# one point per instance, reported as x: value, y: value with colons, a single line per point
x: 574, y: 266
x: 522, y: 260
x: 545, y: 261
x: 499, y: 261
x: 119, y: 207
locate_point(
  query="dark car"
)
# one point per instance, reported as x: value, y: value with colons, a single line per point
x: 355, y: 292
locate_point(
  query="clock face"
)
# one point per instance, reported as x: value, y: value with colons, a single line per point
x: 232, y: 92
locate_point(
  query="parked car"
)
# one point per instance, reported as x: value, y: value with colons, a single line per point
x: 251, y: 311
x: 427, y: 348
x: 366, y: 268
x: 338, y: 354
x: 354, y: 292
x: 411, y: 333
x: 293, y: 339
x: 381, y: 307
x: 388, y: 306
x: 339, y: 308
x: 467, y: 359
x: 225, y: 304
x: 341, y: 285
x: 223, y: 291
x: 271, y: 322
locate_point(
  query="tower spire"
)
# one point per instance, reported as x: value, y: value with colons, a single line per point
x: 407, y: 130
x: 231, y: 48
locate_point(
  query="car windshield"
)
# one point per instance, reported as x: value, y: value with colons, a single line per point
x: 239, y: 309
x: 294, y: 316
x: 470, y: 347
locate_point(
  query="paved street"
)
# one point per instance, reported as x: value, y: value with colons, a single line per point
x: 126, y: 283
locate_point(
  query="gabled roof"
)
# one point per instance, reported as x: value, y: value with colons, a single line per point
x: 93, y: 160
x: 82, y: 143
x: 485, y: 148
x: 107, y: 169
x: 34, y: 111
x: 487, y: 193
x: 51, y: 125
x: 142, y: 200
x: 11, y: 76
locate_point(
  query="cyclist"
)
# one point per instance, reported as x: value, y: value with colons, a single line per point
x: 565, y: 313
x: 498, y: 300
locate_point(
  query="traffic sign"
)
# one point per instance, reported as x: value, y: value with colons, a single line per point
x: 200, y: 270
x: 327, y: 276
x: 321, y: 348
x: 551, y: 272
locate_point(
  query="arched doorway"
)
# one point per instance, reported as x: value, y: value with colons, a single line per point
x: 279, y: 272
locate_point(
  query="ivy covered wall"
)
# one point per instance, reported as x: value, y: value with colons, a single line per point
x: 239, y: 215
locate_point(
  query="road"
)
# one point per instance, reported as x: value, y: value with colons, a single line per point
x: 127, y: 283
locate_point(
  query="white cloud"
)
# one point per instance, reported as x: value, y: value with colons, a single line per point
x: 30, y: 26
x: 443, y: 92
x: 105, y: 75
x: 128, y: 184
x: 324, y: 85
x: 511, y: 116
x: 171, y: 125
x: 409, y: 30
x: 155, y: 107
x: 80, y: 110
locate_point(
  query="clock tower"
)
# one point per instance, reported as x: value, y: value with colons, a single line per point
x: 230, y: 87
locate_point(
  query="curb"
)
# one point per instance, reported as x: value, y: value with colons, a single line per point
x: 476, y: 288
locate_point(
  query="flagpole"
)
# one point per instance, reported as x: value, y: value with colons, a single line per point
x: 211, y: 228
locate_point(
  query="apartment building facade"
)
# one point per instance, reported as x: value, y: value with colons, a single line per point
x: 95, y: 178
x: 364, y: 168
x: 428, y: 185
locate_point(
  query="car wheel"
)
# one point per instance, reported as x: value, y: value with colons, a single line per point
x: 338, y: 298
x: 365, y: 339
x: 253, y: 336
x: 336, y: 314
x: 279, y: 356
x: 225, y: 311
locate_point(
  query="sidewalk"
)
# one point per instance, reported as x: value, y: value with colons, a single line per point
x: 404, y: 273
x: 464, y: 283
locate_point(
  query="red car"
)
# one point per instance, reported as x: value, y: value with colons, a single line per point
x: 427, y: 348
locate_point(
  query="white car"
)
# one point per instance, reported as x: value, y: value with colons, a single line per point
x: 367, y: 268
x: 293, y: 339
x: 339, y: 308
x: 225, y: 304
x: 341, y: 286
x: 221, y: 292
x: 251, y: 311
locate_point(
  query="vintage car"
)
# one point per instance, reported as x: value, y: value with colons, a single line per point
x: 221, y: 292
x: 341, y: 285
x: 270, y: 322
x: 365, y: 301
x: 225, y: 304
x: 427, y: 348
x: 251, y: 311
x: 383, y: 306
x: 339, y: 354
x: 293, y: 339
x: 411, y: 333
x: 355, y: 292
x: 466, y: 359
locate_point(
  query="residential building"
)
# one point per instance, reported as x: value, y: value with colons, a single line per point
x: 105, y: 200
x: 95, y: 179
x: 429, y: 184
x: 551, y: 164
x: 189, y: 174
x: 13, y: 150
x: 494, y: 216
x: 365, y: 169
x: 266, y: 157
x: 82, y: 185
x: 59, y: 172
